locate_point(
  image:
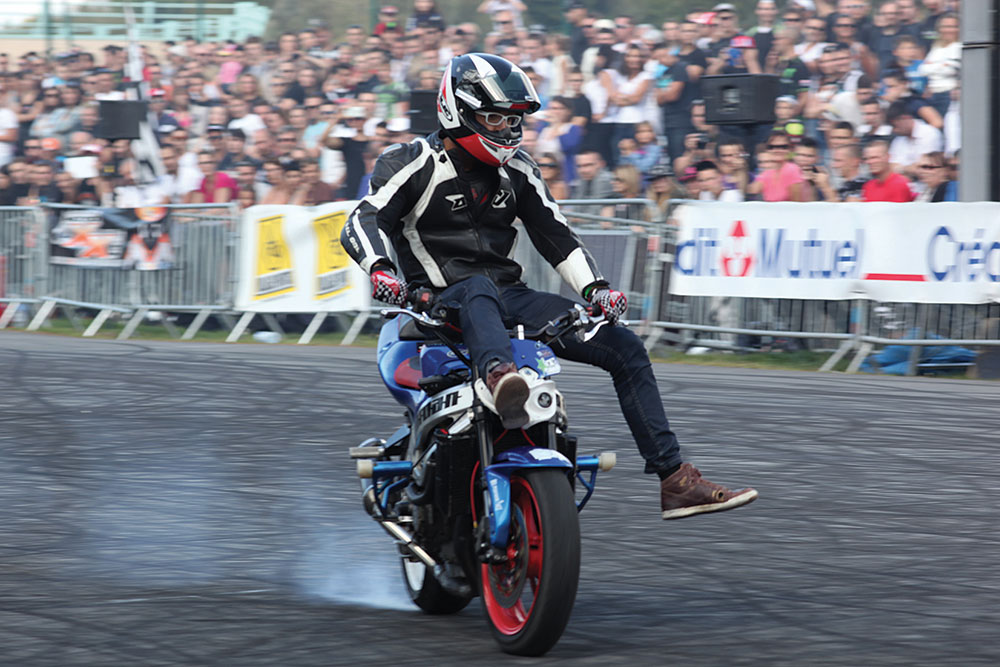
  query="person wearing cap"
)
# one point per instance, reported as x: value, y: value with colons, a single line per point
x: 662, y: 189
x: 164, y: 122
x: 604, y: 36
x: 731, y: 52
x: 350, y: 140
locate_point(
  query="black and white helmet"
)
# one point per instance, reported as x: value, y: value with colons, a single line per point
x: 477, y: 84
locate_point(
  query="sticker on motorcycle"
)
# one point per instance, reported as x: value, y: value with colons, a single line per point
x: 548, y: 364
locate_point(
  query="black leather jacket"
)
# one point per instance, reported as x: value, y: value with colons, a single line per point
x: 418, y: 206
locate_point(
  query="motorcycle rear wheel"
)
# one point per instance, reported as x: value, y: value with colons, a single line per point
x: 427, y: 593
x: 528, y: 599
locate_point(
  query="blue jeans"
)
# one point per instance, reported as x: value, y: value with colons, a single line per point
x: 486, y: 311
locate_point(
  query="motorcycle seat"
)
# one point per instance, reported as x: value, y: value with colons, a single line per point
x: 408, y: 373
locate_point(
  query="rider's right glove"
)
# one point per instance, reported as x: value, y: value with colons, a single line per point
x: 388, y: 288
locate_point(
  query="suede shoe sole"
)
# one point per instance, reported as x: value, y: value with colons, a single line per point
x: 509, y: 395
x: 743, y: 497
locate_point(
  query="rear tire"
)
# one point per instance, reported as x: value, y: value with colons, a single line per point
x: 427, y: 593
x: 528, y: 600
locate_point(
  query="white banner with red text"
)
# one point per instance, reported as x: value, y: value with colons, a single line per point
x: 291, y: 261
x: 923, y: 253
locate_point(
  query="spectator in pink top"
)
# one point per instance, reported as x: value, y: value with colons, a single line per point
x: 780, y: 179
x: 217, y: 187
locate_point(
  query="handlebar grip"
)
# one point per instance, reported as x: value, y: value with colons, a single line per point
x: 423, y: 299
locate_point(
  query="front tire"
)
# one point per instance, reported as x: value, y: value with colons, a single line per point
x: 529, y: 598
x: 427, y: 593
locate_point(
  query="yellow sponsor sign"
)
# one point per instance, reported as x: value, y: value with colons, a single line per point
x: 274, y: 260
x: 332, y: 261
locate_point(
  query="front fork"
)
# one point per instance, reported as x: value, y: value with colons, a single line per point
x: 492, y: 530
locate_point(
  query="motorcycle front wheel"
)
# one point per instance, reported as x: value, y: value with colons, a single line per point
x: 528, y: 599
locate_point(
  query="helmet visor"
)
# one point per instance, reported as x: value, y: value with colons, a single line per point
x: 514, y: 92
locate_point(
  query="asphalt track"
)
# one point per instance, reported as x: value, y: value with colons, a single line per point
x: 193, y: 504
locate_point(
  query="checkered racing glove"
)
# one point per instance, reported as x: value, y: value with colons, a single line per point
x: 611, y: 302
x: 388, y: 288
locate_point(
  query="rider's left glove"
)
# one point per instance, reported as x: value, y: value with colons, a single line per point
x: 610, y: 301
x: 388, y: 288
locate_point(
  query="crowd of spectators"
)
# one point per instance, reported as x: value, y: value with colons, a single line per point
x: 867, y: 108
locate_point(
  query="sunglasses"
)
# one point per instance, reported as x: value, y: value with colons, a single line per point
x: 779, y: 147
x: 844, y: 25
x: 930, y: 166
x: 549, y: 165
x: 495, y: 118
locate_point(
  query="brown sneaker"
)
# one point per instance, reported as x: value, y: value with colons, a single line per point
x: 686, y: 492
x: 510, y: 391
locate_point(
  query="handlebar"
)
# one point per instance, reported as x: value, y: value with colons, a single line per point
x: 576, y: 318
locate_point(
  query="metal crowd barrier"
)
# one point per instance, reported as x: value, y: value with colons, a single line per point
x: 23, y: 261
x: 201, y: 279
x: 635, y: 252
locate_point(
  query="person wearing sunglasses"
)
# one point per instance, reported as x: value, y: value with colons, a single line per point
x: 779, y: 178
x: 935, y: 177
x: 446, y: 204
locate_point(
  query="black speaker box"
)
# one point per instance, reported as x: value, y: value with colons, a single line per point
x: 739, y: 99
x: 423, y: 111
x: 120, y: 119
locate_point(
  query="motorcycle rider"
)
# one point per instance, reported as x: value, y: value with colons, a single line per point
x: 446, y: 204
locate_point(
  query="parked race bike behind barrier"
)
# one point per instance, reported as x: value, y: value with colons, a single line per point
x: 440, y: 216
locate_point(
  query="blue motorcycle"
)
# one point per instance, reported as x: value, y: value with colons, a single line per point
x: 476, y: 509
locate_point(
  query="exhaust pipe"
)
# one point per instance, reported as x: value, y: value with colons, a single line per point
x: 402, y: 536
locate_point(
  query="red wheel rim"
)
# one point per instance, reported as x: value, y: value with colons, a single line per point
x: 509, y: 588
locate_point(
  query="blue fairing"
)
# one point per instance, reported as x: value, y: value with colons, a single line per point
x: 439, y: 360
x: 391, y: 353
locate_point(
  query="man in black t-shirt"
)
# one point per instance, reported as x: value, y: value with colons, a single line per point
x: 694, y: 59
x: 674, y: 96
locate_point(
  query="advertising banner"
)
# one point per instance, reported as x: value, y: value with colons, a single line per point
x: 924, y: 253
x: 112, y: 238
x: 291, y: 261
